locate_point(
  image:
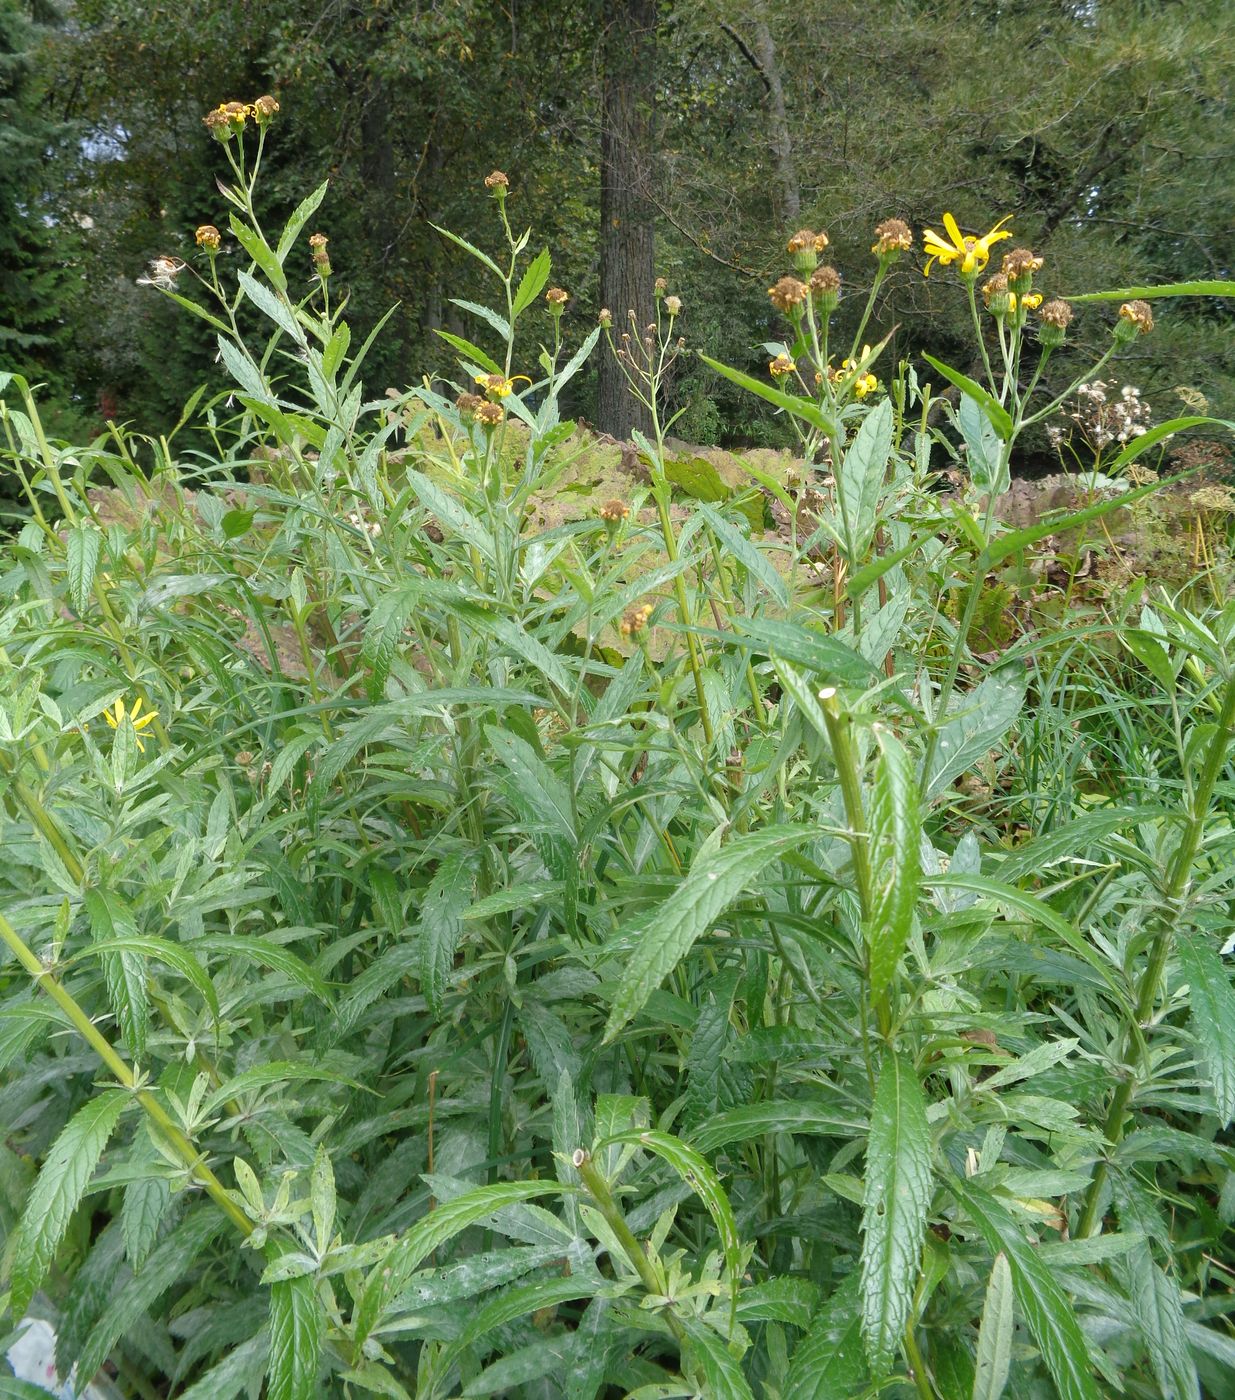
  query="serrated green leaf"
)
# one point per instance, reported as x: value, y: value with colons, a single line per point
x: 986, y: 714
x: 721, y: 1370
x: 805, y: 409
x: 1159, y: 1313
x: 773, y: 1116
x: 441, y: 923
x: 141, y: 1214
x: 994, y: 1359
x: 265, y: 300
x: 1212, y: 1017
x: 1039, y: 1298
x: 297, y: 1331
x: 532, y: 283
x: 111, y: 920
x: 471, y: 350
x: 749, y: 555
x: 82, y: 553
x: 994, y: 410
x: 828, y: 1362
x: 895, y: 826
x: 56, y: 1194
x: 446, y: 1221
x: 1201, y: 288
x: 861, y: 478
x: 277, y: 1072
x: 663, y: 937
x: 896, y: 1198
x: 255, y: 245
x: 301, y: 215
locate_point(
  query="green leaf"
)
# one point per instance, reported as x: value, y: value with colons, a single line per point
x: 697, y: 477
x: 56, y: 1194
x: 82, y: 550
x: 664, y: 936
x: 986, y: 713
x: 241, y: 1369
x: 1165, y: 289
x: 297, y: 1330
x: 111, y: 920
x: 805, y: 409
x: 322, y: 1198
x: 142, y: 948
x: 1159, y: 1313
x: 256, y: 247
x: 265, y: 300
x: 748, y: 554
x: 171, y: 1262
x: 721, y: 1371
x: 390, y: 1277
x: 301, y: 215
x: 828, y: 658
x: 532, y: 283
x: 994, y: 410
x: 471, y: 350
x: 895, y: 844
x: 1039, y: 1298
x: 277, y: 1072
x: 896, y: 1199
x: 861, y: 478
x: 748, y: 1121
x: 145, y: 1204
x: 441, y: 921
x: 468, y: 248
x: 268, y: 954
x: 1212, y: 1016
x: 236, y: 523
x: 994, y: 1359
x: 828, y: 1363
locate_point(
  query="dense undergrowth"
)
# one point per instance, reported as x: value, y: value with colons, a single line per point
x: 450, y: 951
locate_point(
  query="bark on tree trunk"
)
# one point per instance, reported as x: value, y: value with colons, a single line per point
x: 778, y: 125
x: 627, y: 222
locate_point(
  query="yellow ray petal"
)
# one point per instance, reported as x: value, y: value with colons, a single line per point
x: 954, y: 232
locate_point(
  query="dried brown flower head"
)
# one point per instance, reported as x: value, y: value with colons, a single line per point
x: 787, y: 294
x: 467, y: 404
x: 614, y: 512
x: 1019, y: 267
x: 557, y: 298
x: 605, y: 319
x: 660, y: 286
x: 497, y: 181
x: 1056, y: 313
x: 892, y: 236
x: 995, y: 294
x: 1138, y: 316
x: 635, y: 620
x: 161, y: 272
x: 490, y: 415
x: 208, y: 237
x: 673, y: 305
x: 264, y: 110
x: 321, y: 258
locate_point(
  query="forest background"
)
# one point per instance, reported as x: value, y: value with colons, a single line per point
x: 692, y: 136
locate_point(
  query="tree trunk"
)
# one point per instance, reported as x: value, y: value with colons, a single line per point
x: 627, y: 222
x: 790, y: 210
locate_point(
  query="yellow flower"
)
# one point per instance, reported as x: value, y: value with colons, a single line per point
x: 973, y: 253
x: 497, y: 386
x: 117, y: 715
x: 1029, y: 301
x: 864, y: 383
x: 781, y: 365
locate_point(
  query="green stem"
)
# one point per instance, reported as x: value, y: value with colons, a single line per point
x: 1170, y: 917
x: 158, y: 1115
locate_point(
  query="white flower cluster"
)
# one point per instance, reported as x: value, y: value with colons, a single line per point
x: 1105, y: 414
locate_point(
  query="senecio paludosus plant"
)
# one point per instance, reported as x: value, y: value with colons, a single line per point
x: 456, y: 949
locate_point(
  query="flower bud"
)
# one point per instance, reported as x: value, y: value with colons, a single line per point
x: 556, y: 299
x: 321, y: 258
x: 995, y: 296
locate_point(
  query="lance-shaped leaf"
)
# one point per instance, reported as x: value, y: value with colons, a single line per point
x: 1213, y: 1017
x: 994, y: 1357
x: 895, y: 1201
x: 895, y: 825
x: 663, y: 937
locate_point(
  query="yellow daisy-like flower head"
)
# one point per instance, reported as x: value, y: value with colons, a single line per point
x: 863, y: 384
x: 971, y: 252
x: 781, y: 366
x: 497, y: 386
x: 117, y: 715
